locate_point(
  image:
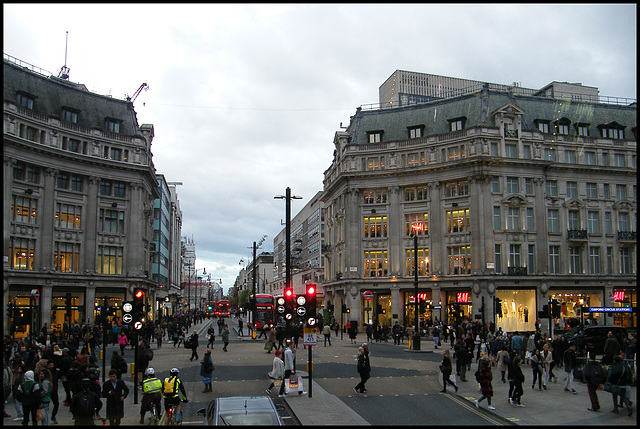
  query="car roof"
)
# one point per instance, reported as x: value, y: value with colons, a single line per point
x: 239, y: 403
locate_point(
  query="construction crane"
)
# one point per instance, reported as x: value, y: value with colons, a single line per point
x: 138, y: 91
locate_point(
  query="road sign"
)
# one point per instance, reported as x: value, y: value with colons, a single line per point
x: 310, y: 336
x: 35, y: 293
x: 127, y: 307
x: 301, y: 311
x: 127, y: 318
x: 368, y: 295
x: 137, y: 325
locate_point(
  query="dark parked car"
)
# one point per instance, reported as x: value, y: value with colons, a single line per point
x: 594, y: 337
x: 243, y: 411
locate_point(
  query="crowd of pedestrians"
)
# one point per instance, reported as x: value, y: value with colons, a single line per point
x: 34, y: 367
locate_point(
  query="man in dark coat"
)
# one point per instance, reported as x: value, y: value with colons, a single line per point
x: 194, y: 346
x: 85, y: 416
x: 115, y: 391
x: 118, y: 363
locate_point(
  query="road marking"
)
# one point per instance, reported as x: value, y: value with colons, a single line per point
x: 473, y: 409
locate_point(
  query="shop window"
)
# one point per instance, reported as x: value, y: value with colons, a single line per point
x: 423, y: 262
x: 554, y: 259
x: 376, y: 263
x: 412, y: 219
x: 24, y: 209
x: 110, y: 260
x: 458, y: 220
x: 459, y: 259
x: 66, y: 257
x: 516, y: 310
x: 375, y: 227
x: 22, y: 253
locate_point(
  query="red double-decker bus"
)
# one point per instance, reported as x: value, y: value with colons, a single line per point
x: 211, y: 308
x: 223, y: 308
x: 265, y: 310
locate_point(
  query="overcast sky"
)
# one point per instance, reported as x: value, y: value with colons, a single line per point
x: 246, y: 99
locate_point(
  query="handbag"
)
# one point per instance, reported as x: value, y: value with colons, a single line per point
x: 610, y: 387
x: 41, y: 415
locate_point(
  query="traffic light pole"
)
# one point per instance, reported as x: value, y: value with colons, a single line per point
x: 104, y: 337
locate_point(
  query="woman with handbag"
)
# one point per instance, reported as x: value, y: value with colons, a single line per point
x: 446, y: 368
x: 618, y: 383
x: 45, y: 396
x: 206, y: 370
x: 277, y: 372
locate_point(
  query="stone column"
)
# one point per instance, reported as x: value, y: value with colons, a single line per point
x: 46, y: 304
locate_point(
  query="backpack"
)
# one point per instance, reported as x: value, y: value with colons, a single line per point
x: 84, y: 406
x: 170, y: 386
x: 598, y: 376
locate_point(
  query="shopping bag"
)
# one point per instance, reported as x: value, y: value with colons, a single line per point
x: 41, y: 415
x: 268, y: 346
x: 293, y: 384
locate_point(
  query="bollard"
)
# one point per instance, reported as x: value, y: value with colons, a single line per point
x: 133, y: 369
x: 254, y: 333
x: 101, y: 358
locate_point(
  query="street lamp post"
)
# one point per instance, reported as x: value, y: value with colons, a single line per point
x: 288, y: 198
x: 418, y: 226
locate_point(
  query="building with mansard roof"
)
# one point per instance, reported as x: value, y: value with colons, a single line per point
x: 79, y: 190
x: 518, y: 198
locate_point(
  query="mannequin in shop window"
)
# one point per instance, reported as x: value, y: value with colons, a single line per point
x: 526, y: 314
x: 520, y: 310
x: 513, y: 307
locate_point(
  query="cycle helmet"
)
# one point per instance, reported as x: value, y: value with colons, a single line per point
x: 149, y: 372
x: 174, y: 371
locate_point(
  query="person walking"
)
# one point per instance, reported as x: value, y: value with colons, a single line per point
x: 123, y: 341
x: 484, y: 377
x: 271, y: 339
x: 46, y: 387
x: 611, y: 348
x: 503, y: 362
x: 289, y: 356
x: 446, y: 368
x: 436, y: 336
x: 326, y: 331
x: 277, y: 371
x: 547, y: 359
x: 240, y: 324
x: 536, y: 366
x: 30, y: 397
x: 7, y: 379
x: 85, y: 405
x: 594, y: 375
x: 619, y: 376
x: 118, y: 363
x: 193, y: 345
x: 517, y: 376
x: 211, y: 334
x: 206, y: 370
x: 569, y: 359
x: 225, y: 337
x: 115, y: 390
x: 364, y: 369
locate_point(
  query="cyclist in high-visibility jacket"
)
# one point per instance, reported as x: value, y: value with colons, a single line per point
x: 172, y: 387
x: 152, y: 394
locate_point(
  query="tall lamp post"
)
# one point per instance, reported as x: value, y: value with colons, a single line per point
x: 253, y: 278
x: 418, y: 226
x: 288, y: 198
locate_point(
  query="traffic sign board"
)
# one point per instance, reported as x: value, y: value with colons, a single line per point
x: 127, y: 307
x: 301, y: 311
x: 310, y: 336
x: 127, y: 318
x: 368, y: 295
x: 137, y: 325
x: 35, y: 293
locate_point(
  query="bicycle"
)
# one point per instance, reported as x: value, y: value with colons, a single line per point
x: 171, y: 415
x: 154, y: 418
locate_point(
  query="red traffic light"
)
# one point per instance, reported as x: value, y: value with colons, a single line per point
x: 139, y: 294
x: 311, y: 289
x: 288, y: 293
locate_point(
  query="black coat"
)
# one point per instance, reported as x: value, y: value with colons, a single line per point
x: 115, y: 406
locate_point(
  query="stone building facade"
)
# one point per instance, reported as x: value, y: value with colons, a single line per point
x: 526, y: 199
x: 79, y: 188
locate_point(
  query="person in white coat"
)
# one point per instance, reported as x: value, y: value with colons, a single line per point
x: 277, y: 373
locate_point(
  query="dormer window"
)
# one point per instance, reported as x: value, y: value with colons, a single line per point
x: 112, y: 125
x: 582, y: 130
x: 374, y: 136
x: 543, y: 125
x: 69, y: 115
x: 25, y: 100
x: 562, y: 127
x: 416, y: 132
x: 457, y: 124
x: 612, y: 131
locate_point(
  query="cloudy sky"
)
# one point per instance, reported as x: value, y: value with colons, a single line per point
x: 246, y: 99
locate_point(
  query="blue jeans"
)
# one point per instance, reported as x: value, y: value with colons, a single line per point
x: 45, y: 405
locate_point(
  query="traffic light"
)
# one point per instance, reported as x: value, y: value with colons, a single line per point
x: 496, y: 305
x: 10, y: 310
x: 310, y: 304
x: 345, y: 309
x: 139, y: 307
x: 289, y: 302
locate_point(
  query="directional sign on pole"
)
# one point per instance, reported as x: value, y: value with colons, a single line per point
x: 310, y: 336
x: 35, y: 293
x: 137, y: 325
x: 127, y: 318
x: 127, y: 307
